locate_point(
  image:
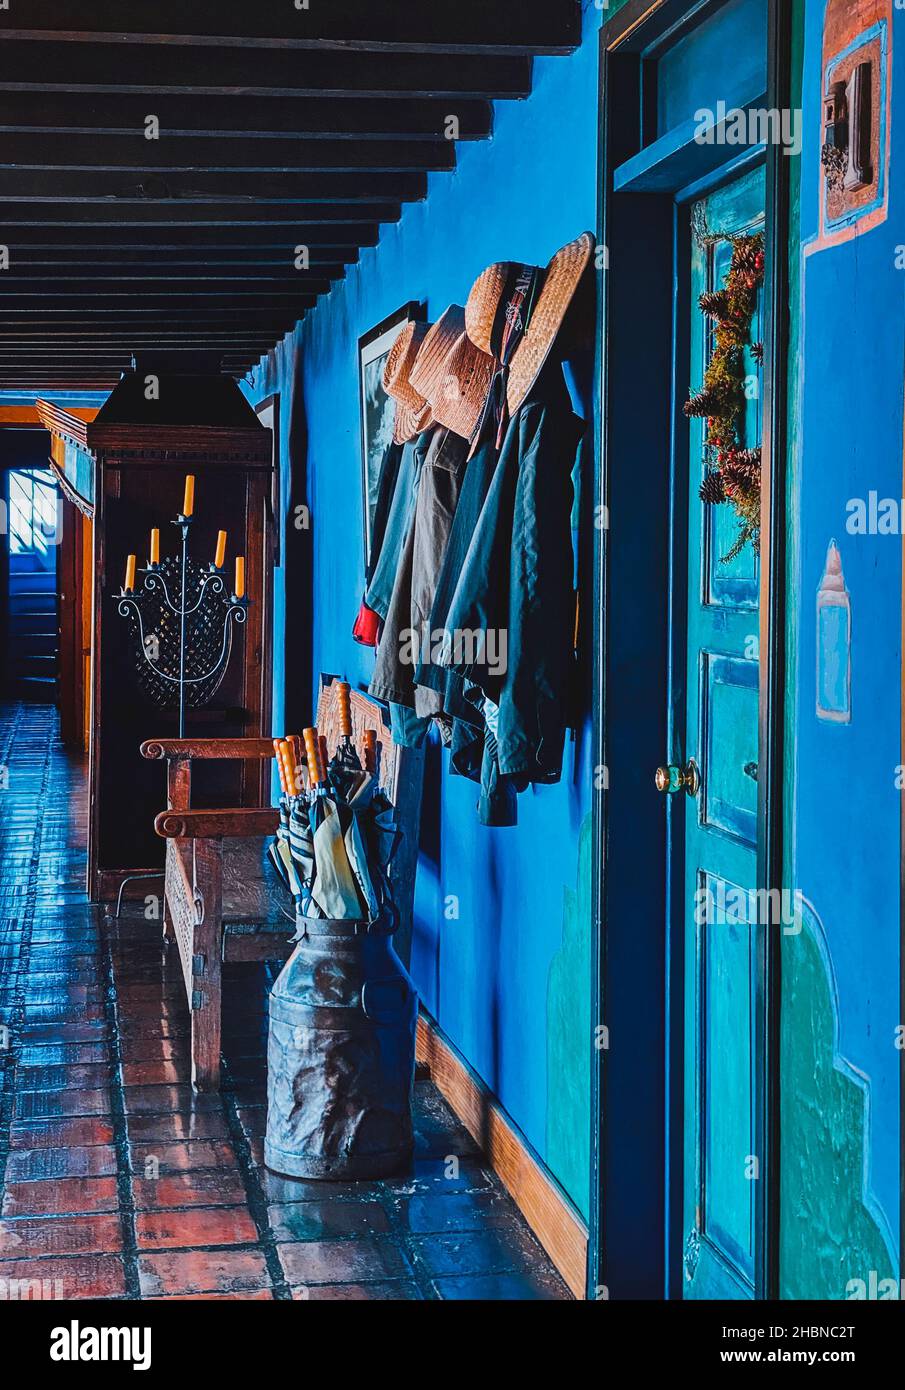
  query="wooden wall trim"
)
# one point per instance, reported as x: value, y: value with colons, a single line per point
x: 547, y: 1210
x: 66, y: 424
x: 29, y: 417
x: 74, y: 496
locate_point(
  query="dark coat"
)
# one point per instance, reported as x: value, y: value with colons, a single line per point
x: 400, y: 511
x: 416, y: 575
x: 386, y: 491
x: 516, y: 584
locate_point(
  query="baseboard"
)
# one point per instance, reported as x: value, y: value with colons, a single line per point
x: 547, y: 1210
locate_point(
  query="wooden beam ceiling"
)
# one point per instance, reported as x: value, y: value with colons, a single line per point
x: 30, y: 66
x: 43, y: 149
x: 272, y: 128
x: 501, y: 26
x: 302, y: 118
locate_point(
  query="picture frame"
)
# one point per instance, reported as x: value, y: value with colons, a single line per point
x: 376, y: 407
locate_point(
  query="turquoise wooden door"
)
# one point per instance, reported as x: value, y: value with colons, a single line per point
x: 722, y: 945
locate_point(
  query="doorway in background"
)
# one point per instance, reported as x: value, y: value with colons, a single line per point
x: 32, y: 648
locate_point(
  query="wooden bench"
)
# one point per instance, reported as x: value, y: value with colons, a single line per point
x: 223, y: 900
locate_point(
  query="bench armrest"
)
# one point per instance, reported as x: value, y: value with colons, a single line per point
x: 189, y: 748
x: 179, y: 824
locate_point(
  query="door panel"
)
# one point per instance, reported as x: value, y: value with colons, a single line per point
x: 726, y: 960
x: 722, y: 1065
x: 729, y: 711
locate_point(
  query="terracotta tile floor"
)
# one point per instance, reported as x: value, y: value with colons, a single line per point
x: 117, y: 1182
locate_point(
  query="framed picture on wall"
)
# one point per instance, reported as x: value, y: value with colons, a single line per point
x: 377, y: 409
x: 268, y: 412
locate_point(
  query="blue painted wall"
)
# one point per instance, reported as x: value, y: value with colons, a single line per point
x: 508, y: 978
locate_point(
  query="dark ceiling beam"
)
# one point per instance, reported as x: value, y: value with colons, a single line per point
x: 41, y: 337
x: 338, y: 239
x: 42, y: 382
x: 188, y: 287
x: 310, y: 118
x: 239, y: 351
x: 206, y: 274
x: 238, y: 355
x: 30, y: 65
x: 129, y: 331
x: 61, y: 151
x: 73, y: 317
x: 131, y: 316
x: 99, y: 303
x: 162, y: 268
x: 330, y: 262
x: 121, y: 358
x: 134, y: 188
x: 501, y: 26
x: 324, y: 221
x: 7, y: 367
x: 20, y: 331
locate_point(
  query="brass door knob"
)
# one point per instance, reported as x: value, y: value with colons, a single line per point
x: 672, y: 778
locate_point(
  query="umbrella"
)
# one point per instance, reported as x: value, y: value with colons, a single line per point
x: 281, y: 850
x: 337, y: 835
x: 334, y: 889
x: 371, y: 841
x: 301, y: 844
x: 345, y: 773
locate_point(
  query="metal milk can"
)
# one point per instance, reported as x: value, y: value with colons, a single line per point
x: 341, y: 1056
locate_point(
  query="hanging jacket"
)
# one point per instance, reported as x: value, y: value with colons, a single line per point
x: 386, y: 489
x: 516, y: 585
x: 419, y: 565
x: 398, y: 520
x: 438, y: 498
x: 366, y: 627
x: 473, y: 493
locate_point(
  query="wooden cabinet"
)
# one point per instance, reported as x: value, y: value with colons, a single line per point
x: 141, y: 449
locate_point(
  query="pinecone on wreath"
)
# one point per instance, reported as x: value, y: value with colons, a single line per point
x: 711, y: 400
x: 748, y: 256
x: 742, y: 469
x: 715, y: 303
x: 711, y: 489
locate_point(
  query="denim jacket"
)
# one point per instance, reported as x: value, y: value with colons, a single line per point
x: 416, y: 576
x: 516, y: 585
x: 398, y: 521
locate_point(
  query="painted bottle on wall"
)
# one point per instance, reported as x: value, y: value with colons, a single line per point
x: 834, y: 642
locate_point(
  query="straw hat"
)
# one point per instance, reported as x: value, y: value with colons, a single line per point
x: 413, y: 414
x: 453, y: 374
x: 559, y: 283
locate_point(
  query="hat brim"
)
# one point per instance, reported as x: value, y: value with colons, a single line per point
x: 562, y: 278
x: 409, y: 421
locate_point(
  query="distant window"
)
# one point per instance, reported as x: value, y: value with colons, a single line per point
x: 32, y: 511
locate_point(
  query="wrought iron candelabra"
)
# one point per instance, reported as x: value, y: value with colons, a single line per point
x: 182, y: 620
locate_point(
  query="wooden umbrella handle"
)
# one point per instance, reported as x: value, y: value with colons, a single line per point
x: 344, y: 708
x: 280, y: 768
x: 315, y: 774
x: 291, y: 770
x: 284, y: 765
x: 369, y: 742
x: 324, y: 755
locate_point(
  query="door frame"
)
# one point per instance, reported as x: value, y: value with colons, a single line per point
x: 71, y: 580
x: 637, y: 1104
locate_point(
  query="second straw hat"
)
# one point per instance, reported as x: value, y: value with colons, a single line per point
x: 453, y: 374
x: 558, y: 285
x: 413, y: 414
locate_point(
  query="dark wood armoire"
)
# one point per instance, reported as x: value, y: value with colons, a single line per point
x: 153, y: 430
